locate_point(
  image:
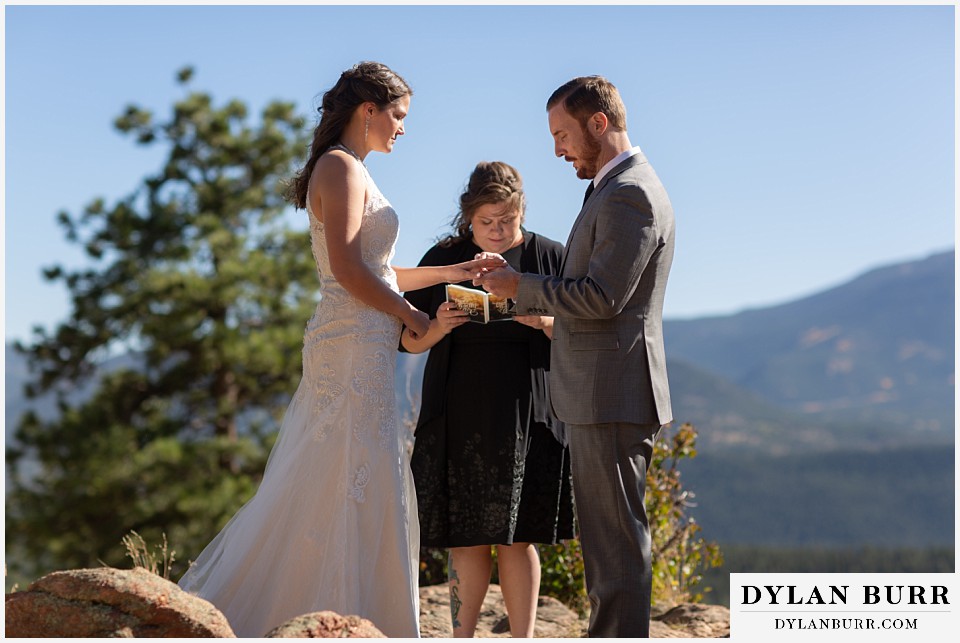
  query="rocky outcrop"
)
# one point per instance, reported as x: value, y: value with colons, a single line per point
x: 555, y: 620
x: 691, y: 620
x: 326, y: 625
x: 110, y: 602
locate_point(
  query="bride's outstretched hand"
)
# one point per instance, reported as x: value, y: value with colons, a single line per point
x: 467, y: 270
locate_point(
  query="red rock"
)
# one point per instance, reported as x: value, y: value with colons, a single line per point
x: 326, y: 625
x: 109, y: 602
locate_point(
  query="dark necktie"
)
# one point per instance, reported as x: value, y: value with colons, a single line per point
x: 589, y: 190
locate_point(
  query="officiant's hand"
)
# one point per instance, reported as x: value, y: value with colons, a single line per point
x: 537, y: 321
x: 449, y: 317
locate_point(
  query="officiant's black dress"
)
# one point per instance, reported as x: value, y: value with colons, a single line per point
x: 486, y: 463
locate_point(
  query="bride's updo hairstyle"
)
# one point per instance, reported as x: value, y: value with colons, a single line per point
x: 365, y: 81
x: 490, y: 182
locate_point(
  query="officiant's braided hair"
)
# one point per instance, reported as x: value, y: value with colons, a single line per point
x: 490, y: 182
x: 365, y: 81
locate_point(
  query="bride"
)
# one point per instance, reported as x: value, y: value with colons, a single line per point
x: 333, y: 525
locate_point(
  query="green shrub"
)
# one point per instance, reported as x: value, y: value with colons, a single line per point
x: 680, y: 554
x: 561, y: 574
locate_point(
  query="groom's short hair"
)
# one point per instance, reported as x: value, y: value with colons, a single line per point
x: 584, y: 96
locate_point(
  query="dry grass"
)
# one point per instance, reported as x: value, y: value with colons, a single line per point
x: 156, y: 562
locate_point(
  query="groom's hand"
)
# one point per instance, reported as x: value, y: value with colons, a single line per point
x: 501, y: 282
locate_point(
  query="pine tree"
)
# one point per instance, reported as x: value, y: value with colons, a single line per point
x: 197, y: 278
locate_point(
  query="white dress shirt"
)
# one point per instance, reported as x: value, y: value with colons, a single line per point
x: 612, y: 163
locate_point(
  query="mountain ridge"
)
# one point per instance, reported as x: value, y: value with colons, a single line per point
x: 879, y: 348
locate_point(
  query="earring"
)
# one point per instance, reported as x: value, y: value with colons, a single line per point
x: 366, y: 129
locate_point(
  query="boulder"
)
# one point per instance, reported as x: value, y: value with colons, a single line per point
x: 109, y: 602
x: 693, y: 620
x: 326, y: 625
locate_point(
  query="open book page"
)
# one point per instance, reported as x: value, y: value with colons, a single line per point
x: 479, y: 304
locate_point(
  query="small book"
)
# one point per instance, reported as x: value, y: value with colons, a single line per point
x: 479, y: 304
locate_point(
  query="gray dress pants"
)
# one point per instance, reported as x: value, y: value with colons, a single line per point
x: 609, y: 464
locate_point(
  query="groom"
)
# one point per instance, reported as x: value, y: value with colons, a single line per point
x: 609, y: 376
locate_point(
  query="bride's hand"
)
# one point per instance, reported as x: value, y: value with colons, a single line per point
x: 467, y: 270
x: 417, y: 323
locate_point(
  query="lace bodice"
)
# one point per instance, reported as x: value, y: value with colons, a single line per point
x: 346, y: 335
x: 378, y: 236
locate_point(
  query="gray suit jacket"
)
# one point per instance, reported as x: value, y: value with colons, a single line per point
x: 607, y: 357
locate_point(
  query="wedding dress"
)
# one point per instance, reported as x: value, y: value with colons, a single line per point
x: 333, y: 525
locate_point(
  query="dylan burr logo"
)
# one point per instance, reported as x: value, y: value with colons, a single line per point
x: 872, y: 595
x: 845, y: 606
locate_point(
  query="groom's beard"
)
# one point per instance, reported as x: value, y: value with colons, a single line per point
x: 590, y: 158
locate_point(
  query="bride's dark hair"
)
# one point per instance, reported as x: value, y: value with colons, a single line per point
x: 365, y: 81
x: 490, y: 182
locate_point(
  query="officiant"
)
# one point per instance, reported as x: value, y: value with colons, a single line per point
x: 491, y: 470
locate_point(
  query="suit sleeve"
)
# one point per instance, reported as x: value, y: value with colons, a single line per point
x: 626, y: 237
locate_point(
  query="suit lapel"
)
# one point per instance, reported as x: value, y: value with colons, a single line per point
x: 636, y: 159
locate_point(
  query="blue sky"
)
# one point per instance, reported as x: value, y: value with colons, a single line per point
x: 800, y: 145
